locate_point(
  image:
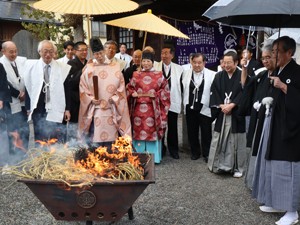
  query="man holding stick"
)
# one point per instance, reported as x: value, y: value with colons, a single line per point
x: 103, y: 114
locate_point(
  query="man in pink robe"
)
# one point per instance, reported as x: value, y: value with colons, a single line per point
x: 104, y: 117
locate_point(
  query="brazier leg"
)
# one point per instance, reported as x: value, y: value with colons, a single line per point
x: 130, y: 213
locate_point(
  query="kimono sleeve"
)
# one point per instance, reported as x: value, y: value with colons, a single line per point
x: 292, y: 110
x: 215, y: 97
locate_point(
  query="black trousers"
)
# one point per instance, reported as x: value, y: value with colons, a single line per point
x: 17, y: 122
x: 172, y: 134
x: 196, y: 121
x: 45, y: 130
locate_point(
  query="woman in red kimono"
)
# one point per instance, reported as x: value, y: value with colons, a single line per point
x: 149, y: 102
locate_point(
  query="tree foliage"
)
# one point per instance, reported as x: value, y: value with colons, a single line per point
x: 49, y: 27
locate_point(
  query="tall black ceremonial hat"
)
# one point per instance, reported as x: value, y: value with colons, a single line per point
x: 148, y: 55
x: 96, y: 44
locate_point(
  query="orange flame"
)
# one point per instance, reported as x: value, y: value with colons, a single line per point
x: 103, y: 163
x: 47, y: 143
x: 17, y: 141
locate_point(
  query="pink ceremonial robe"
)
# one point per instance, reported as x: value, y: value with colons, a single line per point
x: 110, y: 118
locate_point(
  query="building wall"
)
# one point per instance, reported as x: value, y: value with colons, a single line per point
x: 8, y: 29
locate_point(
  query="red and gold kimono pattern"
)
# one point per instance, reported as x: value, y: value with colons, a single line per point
x: 111, y: 117
x: 148, y: 114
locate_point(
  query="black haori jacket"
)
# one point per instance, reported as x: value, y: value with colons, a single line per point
x: 284, y: 140
x: 256, y: 88
x: 218, y: 89
x: 4, y: 90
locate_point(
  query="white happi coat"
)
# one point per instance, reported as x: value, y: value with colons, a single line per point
x: 209, y: 76
x: 34, y: 78
x: 16, y: 82
x: 175, y: 90
x: 125, y: 57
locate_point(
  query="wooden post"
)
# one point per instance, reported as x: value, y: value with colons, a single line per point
x: 96, y: 91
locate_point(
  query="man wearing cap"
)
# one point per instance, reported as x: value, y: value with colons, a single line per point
x: 173, y: 73
x: 103, y: 114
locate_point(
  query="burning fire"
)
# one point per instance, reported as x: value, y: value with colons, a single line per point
x: 17, y: 141
x: 82, y: 166
x: 47, y: 143
x: 117, y: 163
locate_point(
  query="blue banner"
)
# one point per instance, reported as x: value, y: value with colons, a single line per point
x: 212, y: 40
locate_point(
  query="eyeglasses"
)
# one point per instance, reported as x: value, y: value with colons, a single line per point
x: 82, y: 50
x: 267, y: 58
x: 47, y: 51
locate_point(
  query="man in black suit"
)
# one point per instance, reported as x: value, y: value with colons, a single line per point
x: 5, y: 99
x: 135, y: 65
x: 72, y: 86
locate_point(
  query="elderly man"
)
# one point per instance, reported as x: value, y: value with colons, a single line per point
x: 256, y: 88
x: 277, y: 180
x: 110, y: 48
x: 46, y: 103
x: 14, y: 67
x: 103, y: 114
x: 173, y: 73
x: 136, y: 64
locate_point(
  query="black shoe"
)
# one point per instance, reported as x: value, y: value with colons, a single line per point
x: 205, y: 159
x: 174, y: 155
x: 195, y: 157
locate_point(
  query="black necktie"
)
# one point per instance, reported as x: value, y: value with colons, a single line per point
x: 14, y: 66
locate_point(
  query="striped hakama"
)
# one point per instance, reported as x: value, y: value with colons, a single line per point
x: 276, y: 183
x: 227, y: 150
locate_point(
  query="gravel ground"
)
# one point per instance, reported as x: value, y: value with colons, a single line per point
x: 185, y: 192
